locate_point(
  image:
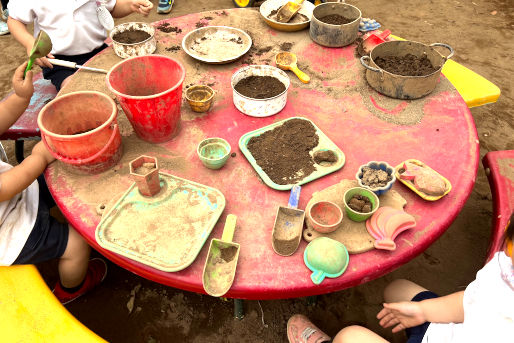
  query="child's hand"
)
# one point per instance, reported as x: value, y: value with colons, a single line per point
x: 41, y: 150
x: 401, y: 315
x: 141, y: 6
x: 43, y: 61
x: 23, y: 87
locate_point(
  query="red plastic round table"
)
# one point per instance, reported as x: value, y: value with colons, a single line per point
x: 438, y: 130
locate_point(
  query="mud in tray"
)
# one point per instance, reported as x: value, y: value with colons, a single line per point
x: 326, y: 156
x: 166, y: 231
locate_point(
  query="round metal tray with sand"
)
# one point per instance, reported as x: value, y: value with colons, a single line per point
x: 299, y: 22
x: 216, y: 44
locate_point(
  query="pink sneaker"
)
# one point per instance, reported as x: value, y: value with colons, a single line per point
x: 96, y: 272
x: 301, y: 330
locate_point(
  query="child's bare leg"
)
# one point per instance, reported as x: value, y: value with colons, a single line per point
x: 73, y: 263
x: 401, y: 290
x: 359, y: 334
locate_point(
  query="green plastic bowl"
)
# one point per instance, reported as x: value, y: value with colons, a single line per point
x: 213, y: 152
x: 325, y: 257
x: 358, y: 216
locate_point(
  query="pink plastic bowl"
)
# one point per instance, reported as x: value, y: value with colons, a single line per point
x: 324, y: 216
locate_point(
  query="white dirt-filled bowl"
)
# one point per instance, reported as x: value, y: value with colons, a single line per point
x: 260, y: 107
x: 145, y: 47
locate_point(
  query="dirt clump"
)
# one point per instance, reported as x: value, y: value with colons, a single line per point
x: 408, y: 65
x: 286, y: 46
x: 131, y: 36
x: 260, y: 87
x: 375, y: 178
x: 167, y: 28
x: 262, y: 51
x: 173, y: 48
x: 325, y: 156
x: 360, y: 203
x: 283, y: 153
x: 336, y: 19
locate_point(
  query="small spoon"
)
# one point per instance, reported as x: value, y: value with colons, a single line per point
x: 287, y: 61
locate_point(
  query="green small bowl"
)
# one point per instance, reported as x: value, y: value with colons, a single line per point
x: 325, y: 257
x: 213, y: 152
x: 358, y: 216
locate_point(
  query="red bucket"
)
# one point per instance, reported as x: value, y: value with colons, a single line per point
x: 149, y: 89
x: 80, y: 129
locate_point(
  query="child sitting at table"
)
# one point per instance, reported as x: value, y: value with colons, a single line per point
x: 483, y: 312
x: 28, y: 234
x: 73, y: 26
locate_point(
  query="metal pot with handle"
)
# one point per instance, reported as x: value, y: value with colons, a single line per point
x: 404, y: 87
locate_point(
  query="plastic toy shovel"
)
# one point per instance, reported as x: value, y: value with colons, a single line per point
x: 287, y: 231
x: 286, y: 12
x: 42, y: 47
x: 221, y: 263
x: 287, y: 61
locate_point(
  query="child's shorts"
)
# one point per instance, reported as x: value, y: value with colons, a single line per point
x: 57, y: 74
x: 416, y: 333
x: 49, y: 238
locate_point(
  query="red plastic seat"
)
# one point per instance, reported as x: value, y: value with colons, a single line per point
x: 499, y: 167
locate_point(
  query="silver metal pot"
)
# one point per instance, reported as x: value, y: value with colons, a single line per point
x: 334, y: 35
x: 404, y: 87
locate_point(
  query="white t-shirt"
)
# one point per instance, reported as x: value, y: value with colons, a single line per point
x: 72, y: 25
x: 17, y: 218
x: 488, y: 308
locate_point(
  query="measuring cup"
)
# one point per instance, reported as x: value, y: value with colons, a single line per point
x: 287, y: 61
x: 287, y: 231
x: 41, y: 47
x: 286, y: 12
x: 220, y: 265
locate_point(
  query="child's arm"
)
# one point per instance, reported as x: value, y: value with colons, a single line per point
x: 14, y: 106
x: 25, y: 38
x: 17, y: 179
x: 402, y: 315
x: 125, y: 7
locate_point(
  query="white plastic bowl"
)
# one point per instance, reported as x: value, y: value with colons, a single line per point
x: 260, y: 107
x: 146, y: 47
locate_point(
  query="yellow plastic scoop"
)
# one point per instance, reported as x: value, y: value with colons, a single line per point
x: 221, y: 263
x: 286, y: 12
x: 287, y: 61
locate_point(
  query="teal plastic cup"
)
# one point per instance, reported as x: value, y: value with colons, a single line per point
x: 213, y: 152
x: 358, y: 216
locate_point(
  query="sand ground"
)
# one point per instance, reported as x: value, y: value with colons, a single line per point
x: 481, y: 31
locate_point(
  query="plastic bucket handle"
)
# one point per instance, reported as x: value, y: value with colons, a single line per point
x: 76, y: 161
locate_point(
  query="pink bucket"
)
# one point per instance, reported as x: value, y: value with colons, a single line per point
x: 149, y: 89
x: 80, y: 129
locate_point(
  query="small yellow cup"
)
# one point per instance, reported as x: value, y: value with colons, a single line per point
x: 200, y: 97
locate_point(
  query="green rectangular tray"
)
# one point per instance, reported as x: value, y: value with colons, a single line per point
x: 166, y: 231
x: 324, y: 144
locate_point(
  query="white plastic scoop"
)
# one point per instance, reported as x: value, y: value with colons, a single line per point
x: 74, y: 65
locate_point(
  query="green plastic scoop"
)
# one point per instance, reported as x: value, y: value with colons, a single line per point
x: 221, y: 263
x: 42, y: 47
